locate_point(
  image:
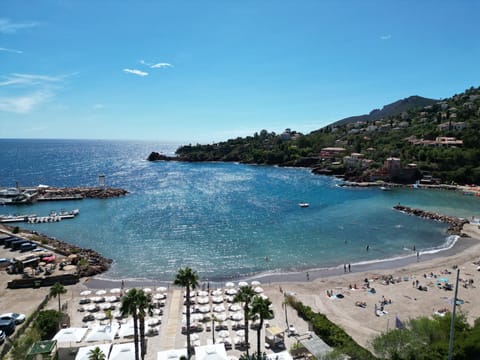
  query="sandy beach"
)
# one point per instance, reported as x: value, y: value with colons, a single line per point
x: 395, y: 284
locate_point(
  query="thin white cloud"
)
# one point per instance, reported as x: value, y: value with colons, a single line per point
x: 30, y: 79
x: 161, y: 65
x: 9, y: 27
x: 386, y: 37
x: 11, y: 50
x: 136, y: 72
x: 25, y: 103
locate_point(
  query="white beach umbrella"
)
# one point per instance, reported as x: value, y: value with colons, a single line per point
x: 159, y: 296
x: 202, y: 293
x: 240, y: 333
x: 223, y: 333
x: 153, y: 321
x: 100, y: 316
x: 237, y: 316
x: 97, y: 299
x: 229, y: 284
x: 217, y: 292
x: 85, y: 292
x: 105, y: 306
x: 231, y: 291
x: 91, y: 307
x: 147, y: 290
x: 161, y: 289
x: 100, y: 292
x: 258, y: 290
x: 204, y: 309
x: 242, y: 283
x: 235, y: 307
x: 219, y: 308
x: 115, y: 291
x: 255, y: 283
x: 217, y: 299
x: 221, y: 317
x: 203, y: 300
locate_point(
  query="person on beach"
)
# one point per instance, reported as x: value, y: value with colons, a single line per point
x: 367, y: 248
x: 344, y: 268
x: 308, y: 276
x: 349, y: 268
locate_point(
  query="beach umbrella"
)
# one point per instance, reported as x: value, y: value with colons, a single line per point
x: 100, y: 316
x: 202, y: 293
x: 85, y: 292
x: 161, y: 289
x: 91, y: 308
x: 237, y: 316
x: 235, y: 307
x: 229, y: 284
x: 223, y: 333
x: 98, y: 299
x: 217, y: 292
x: 258, y: 290
x: 204, y: 309
x: 100, y: 292
x: 153, y: 321
x: 240, y: 333
x: 242, y: 283
x: 147, y: 290
x: 159, y: 296
x: 255, y: 283
x: 203, y: 300
x: 217, y: 299
x: 221, y: 317
x: 115, y: 291
x: 219, y: 308
x: 231, y: 291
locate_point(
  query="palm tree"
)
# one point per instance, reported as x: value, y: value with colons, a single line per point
x: 261, y: 309
x: 96, y: 354
x: 129, y: 307
x: 144, y: 307
x: 245, y: 296
x: 188, y: 279
x: 57, y: 290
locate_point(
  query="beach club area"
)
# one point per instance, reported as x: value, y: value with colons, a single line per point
x: 364, y: 302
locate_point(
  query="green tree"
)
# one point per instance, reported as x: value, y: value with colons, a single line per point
x: 96, y: 354
x: 57, y: 290
x: 188, y: 279
x: 129, y: 307
x: 144, y: 307
x: 245, y: 296
x: 261, y: 310
x: 47, y: 323
x: 22, y: 345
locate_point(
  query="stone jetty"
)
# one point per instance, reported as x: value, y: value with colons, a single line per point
x: 50, y: 194
x: 456, y: 224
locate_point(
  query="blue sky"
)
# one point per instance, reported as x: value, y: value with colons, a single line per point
x: 204, y: 71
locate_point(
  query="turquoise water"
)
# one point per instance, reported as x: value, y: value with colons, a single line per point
x: 222, y: 219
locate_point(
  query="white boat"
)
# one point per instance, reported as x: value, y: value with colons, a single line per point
x: 303, y: 204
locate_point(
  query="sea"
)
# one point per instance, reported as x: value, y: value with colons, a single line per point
x: 224, y: 220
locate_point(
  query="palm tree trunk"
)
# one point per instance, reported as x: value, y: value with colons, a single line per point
x: 135, y: 334
x: 59, y: 307
x: 189, y: 352
x: 259, y: 330
x: 246, y: 327
x: 143, y: 347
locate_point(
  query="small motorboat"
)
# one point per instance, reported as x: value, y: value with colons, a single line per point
x: 303, y: 204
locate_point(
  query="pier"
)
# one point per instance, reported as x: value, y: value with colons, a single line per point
x: 34, y: 219
x: 29, y: 195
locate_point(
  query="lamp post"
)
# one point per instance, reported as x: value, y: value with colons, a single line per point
x: 452, y: 323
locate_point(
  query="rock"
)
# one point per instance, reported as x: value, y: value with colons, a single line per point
x: 155, y: 156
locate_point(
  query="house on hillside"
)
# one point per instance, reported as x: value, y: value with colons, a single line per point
x: 332, y: 153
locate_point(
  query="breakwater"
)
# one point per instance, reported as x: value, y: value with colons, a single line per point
x: 79, y: 193
x: 456, y: 224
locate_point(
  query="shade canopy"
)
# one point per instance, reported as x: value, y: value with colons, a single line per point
x: 70, y: 335
x: 84, y: 352
x: 122, y: 352
x: 211, y: 352
x: 174, y: 354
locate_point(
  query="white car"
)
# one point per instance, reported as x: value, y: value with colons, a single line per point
x: 18, y: 318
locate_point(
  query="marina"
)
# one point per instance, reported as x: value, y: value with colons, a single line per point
x: 54, y: 216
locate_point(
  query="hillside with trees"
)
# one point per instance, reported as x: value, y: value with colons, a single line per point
x: 435, y: 142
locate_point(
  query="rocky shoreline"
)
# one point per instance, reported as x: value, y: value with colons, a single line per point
x: 88, y: 261
x: 456, y: 224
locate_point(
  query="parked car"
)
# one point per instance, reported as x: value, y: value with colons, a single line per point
x: 7, y: 326
x: 18, y: 318
x: 2, y: 336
